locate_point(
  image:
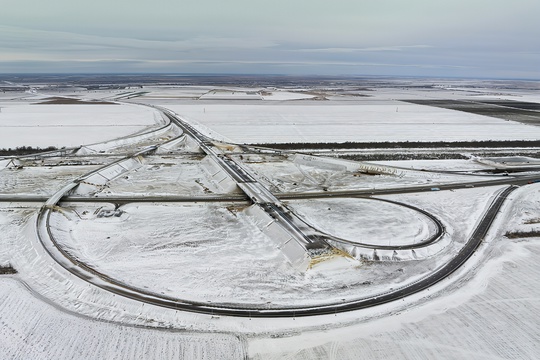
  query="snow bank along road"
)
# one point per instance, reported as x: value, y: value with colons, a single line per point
x: 269, y: 202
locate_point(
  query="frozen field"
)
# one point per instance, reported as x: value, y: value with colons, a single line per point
x: 48, y: 179
x: 438, y: 165
x: 56, y: 334
x: 494, y: 316
x: 491, y: 313
x: 333, y: 121
x: 181, y: 176
x: 215, y: 252
x: 283, y: 175
x: 221, y: 93
x: 71, y: 125
x: 365, y: 221
x: 201, y: 251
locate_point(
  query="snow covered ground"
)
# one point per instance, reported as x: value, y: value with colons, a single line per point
x: 221, y: 93
x: 490, y: 312
x: 12, y: 219
x: 33, y: 328
x: 49, y: 179
x: 217, y: 94
x: 438, y: 165
x: 494, y: 316
x: 364, y: 121
x: 365, y: 221
x: 174, y: 92
x: 70, y: 125
x: 359, y: 115
x: 167, y: 175
x: 281, y: 95
x: 287, y: 175
x: 292, y: 116
x: 214, y: 253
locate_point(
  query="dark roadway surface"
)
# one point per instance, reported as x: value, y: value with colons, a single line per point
x: 518, y: 180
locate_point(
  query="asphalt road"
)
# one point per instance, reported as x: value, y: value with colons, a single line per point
x: 521, y: 180
x: 518, y: 180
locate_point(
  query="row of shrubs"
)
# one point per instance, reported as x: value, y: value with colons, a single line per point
x: 25, y: 150
x: 405, y: 144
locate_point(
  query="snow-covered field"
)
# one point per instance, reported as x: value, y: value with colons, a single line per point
x: 174, y: 92
x: 365, y: 221
x: 377, y: 115
x: 230, y: 95
x: 438, y: 165
x: 490, y: 312
x: 50, y: 179
x: 214, y: 253
x: 70, y: 125
x: 291, y: 117
x: 168, y: 175
x: 33, y: 328
x: 225, y: 93
x: 12, y: 220
x: 494, y: 316
x: 364, y: 121
x: 284, y: 175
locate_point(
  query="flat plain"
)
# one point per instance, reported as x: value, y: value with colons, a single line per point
x: 148, y: 210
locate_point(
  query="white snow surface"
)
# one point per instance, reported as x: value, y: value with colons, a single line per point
x: 218, y: 94
x: 198, y: 252
x: 203, y: 252
x: 435, y: 165
x: 363, y: 121
x: 281, y: 95
x: 488, y: 310
x: 70, y: 125
x: 283, y: 175
x: 493, y: 315
x: 33, y: 328
x: 222, y: 93
x: 174, y: 92
x: 35, y: 180
x: 164, y: 175
x: 365, y: 221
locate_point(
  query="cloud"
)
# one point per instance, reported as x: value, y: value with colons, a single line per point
x: 338, y: 50
x: 489, y: 38
x: 43, y: 41
x: 161, y: 63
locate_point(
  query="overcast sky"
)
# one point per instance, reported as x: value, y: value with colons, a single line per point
x: 464, y: 38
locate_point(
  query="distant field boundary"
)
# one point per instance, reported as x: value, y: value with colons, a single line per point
x: 403, y: 145
x: 25, y: 150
